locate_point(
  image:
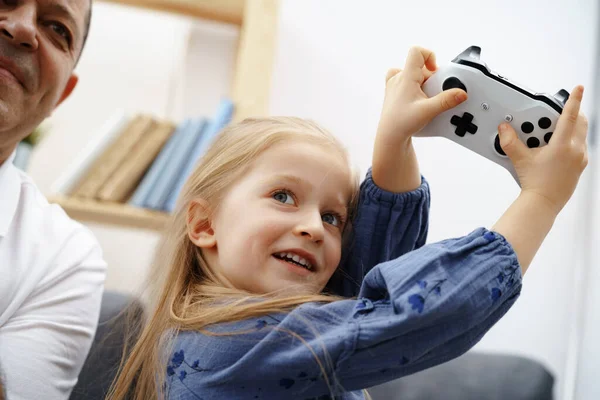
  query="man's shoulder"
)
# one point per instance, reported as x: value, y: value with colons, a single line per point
x: 44, y: 247
x: 40, y: 213
x: 40, y: 224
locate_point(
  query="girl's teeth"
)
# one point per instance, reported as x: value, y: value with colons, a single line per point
x: 297, y: 259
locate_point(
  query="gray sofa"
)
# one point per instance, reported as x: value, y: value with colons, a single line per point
x: 472, y: 376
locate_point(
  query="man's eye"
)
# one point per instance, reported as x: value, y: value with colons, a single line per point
x: 61, y: 30
x: 283, y: 197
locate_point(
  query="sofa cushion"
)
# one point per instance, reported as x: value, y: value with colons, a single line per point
x: 473, y: 376
x: 119, y: 315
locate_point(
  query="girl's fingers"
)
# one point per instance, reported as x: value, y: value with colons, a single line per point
x: 391, y: 73
x: 565, y: 127
x: 418, y: 57
x: 427, y: 73
x: 581, y: 130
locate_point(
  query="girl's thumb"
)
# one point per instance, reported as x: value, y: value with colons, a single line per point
x: 514, y: 148
x: 444, y: 101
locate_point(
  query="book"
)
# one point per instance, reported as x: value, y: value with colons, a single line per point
x: 115, y: 154
x: 101, y: 139
x: 125, y: 179
x: 221, y: 119
x: 173, y: 167
x: 154, y: 173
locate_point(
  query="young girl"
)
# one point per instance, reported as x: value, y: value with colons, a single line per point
x: 281, y: 278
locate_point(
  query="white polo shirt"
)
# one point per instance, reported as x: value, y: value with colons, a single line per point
x: 51, y: 282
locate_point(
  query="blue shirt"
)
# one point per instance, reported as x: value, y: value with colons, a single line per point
x: 417, y: 306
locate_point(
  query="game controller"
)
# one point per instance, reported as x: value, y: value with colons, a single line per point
x: 492, y: 99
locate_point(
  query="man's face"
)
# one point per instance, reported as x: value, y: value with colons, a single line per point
x: 40, y: 42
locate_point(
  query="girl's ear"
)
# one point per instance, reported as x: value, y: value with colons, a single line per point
x: 199, y: 227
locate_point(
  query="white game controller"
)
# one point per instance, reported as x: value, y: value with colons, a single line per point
x: 492, y: 99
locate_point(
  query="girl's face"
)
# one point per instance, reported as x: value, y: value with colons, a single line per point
x: 280, y: 226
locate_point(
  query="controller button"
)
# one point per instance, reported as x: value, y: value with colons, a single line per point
x: 497, y: 146
x: 453, y: 83
x: 527, y: 127
x: 547, y: 137
x: 544, y: 123
x: 463, y: 124
x: 533, y: 142
x: 562, y: 96
x: 508, y: 118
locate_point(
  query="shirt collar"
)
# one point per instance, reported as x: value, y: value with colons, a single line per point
x: 9, y: 193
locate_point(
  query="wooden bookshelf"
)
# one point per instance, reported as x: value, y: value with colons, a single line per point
x: 251, y: 86
x: 230, y: 11
x: 112, y: 213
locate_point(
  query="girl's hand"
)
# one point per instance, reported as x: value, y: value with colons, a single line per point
x: 406, y: 108
x: 551, y: 173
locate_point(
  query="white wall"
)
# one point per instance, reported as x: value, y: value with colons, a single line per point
x: 586, y: 385
x: 330, y: 66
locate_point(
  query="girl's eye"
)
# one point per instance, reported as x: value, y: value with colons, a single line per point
x: 333, y: 219
x: 283, y: 197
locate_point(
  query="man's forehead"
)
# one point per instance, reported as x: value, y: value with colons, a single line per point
x: 75, y: 7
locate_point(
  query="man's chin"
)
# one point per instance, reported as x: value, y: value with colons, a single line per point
x: 5, y: 109
x: 9, y: 114
x: 9, y: 132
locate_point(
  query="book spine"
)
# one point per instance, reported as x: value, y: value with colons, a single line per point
x: 173, y: 168
x: 110, y: 160
x: 221, y: 119
x: 123, y: 181
x: 142, y: 192
x: 101, y: 140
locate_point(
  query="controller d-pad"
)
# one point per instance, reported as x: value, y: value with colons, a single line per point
x: 463, y: 124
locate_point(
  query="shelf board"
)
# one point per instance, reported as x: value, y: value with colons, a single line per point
x: 85, y: 210
x: 255, y: 58
x: 229, y: 11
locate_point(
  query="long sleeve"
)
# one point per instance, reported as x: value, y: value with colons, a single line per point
x: 387, y: 226
x: 419, y: 310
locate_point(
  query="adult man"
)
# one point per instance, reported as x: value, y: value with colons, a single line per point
x: 51, y: 268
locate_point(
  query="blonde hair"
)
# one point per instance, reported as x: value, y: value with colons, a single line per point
x: 185, y: 293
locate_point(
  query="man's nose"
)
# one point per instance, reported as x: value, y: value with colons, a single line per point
x: 311, y: 227
x: 19, y: 27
